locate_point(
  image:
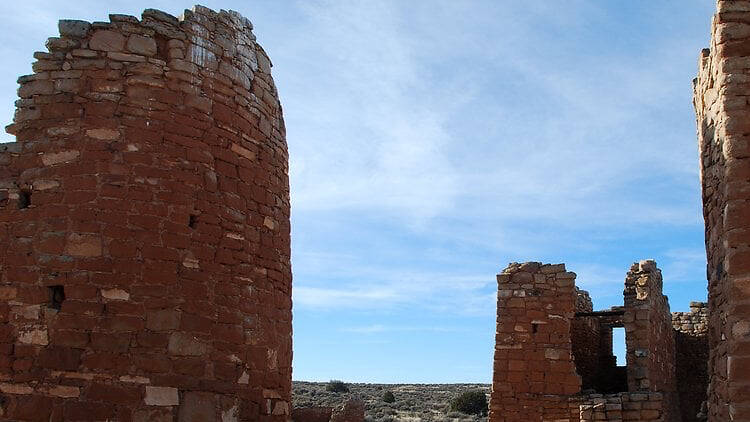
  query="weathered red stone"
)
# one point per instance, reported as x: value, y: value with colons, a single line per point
x: 124, y: 221
x: 554, y: 358
x: 720, y: 99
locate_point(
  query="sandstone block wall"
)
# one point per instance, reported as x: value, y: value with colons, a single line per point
x: 691, y: 348
x: 352, y: 410
x: 586, y: 337
x: 534, y: 373
x: 721, y: 93
x: 635, y: 407
x: 312, y: 414
x: 144, y: 227
x: 554, y: 359
x: 650, y: 340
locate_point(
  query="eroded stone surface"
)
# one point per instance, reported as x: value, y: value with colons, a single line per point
x: 136, y: 267
x: 554, y: 357
x: 107, y: 41
x: 161, y: 396
x: 720, y: 100
x: 312, y: 414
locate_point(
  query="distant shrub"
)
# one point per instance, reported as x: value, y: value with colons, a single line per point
x: 471, y: 402
x: 336, y: 386
x: 388, y: 397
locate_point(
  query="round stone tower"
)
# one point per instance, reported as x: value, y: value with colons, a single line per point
x: 144, y: 227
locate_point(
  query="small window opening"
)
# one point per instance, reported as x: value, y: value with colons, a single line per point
x: 56, y: 296
x: 619, y: 349
x: 24, y: 199
x: 193, y: 219
x: 534, y: 328
x: 162, y: 48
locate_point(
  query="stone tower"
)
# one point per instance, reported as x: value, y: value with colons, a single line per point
x: 721, y: 94
x: 144, y: 227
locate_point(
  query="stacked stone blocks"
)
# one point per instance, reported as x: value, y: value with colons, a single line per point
x: 144, y: 227
x: 721, y: 102
x: 554, y: 358
x: 534, y: 372
x: 650, y: 337
x: 691, y: 346
x: 624, y: 407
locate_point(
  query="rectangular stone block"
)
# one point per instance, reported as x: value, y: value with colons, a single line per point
x: 161, y: 396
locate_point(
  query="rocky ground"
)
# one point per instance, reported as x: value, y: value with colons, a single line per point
x: 414, y: 402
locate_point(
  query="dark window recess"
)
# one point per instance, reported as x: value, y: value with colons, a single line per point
x: 24, y: 199
x: 56, y: 296
x: 193, y: 219
x: 162, y: 49
x: 534, y: 328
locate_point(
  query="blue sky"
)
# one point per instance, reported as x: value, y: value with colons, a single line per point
x: 432, y: 142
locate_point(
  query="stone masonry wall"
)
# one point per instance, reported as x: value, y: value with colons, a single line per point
x: 635, y: 407
x: 691, y: 343
x: 586, y: 336
x: 534, y: 374
x: 546, y: 338
x: 649, y: 336
x: 721, y: 93
x: 144, y: 227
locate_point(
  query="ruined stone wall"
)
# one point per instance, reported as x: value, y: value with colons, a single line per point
x: 548, y: 335
x: 144, y: 227
x: 352, y: 410
x: 586, y: 335
x: 594, y: 355
x: 721, y: 93
x: 534, y: 374
x: 649, y: 336
x: 691, y: 343
x: 635, y: 407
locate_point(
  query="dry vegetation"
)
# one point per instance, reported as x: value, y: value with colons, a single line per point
x: 414, y: 402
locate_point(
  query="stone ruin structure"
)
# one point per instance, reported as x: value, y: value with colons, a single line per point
x: 145, y: 264
x: 144, y: 227
x: 352, y: 410
x: 554, y: 359
x: 721, y: 93
x: 553, y: 352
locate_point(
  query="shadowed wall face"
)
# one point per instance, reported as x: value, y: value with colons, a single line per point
x: 144, y: 227
x: 720, y: 97
x: 691, y: 355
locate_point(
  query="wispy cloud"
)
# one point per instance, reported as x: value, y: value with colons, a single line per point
x: 383, y: 290
x: 371, y: 143
x: 378, y: 328
x: 388, y: 129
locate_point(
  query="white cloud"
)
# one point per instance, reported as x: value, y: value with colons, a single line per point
x: 415, y: 121
x: 372, y: 142
x: 379, y: 328
x: 378, y: 289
